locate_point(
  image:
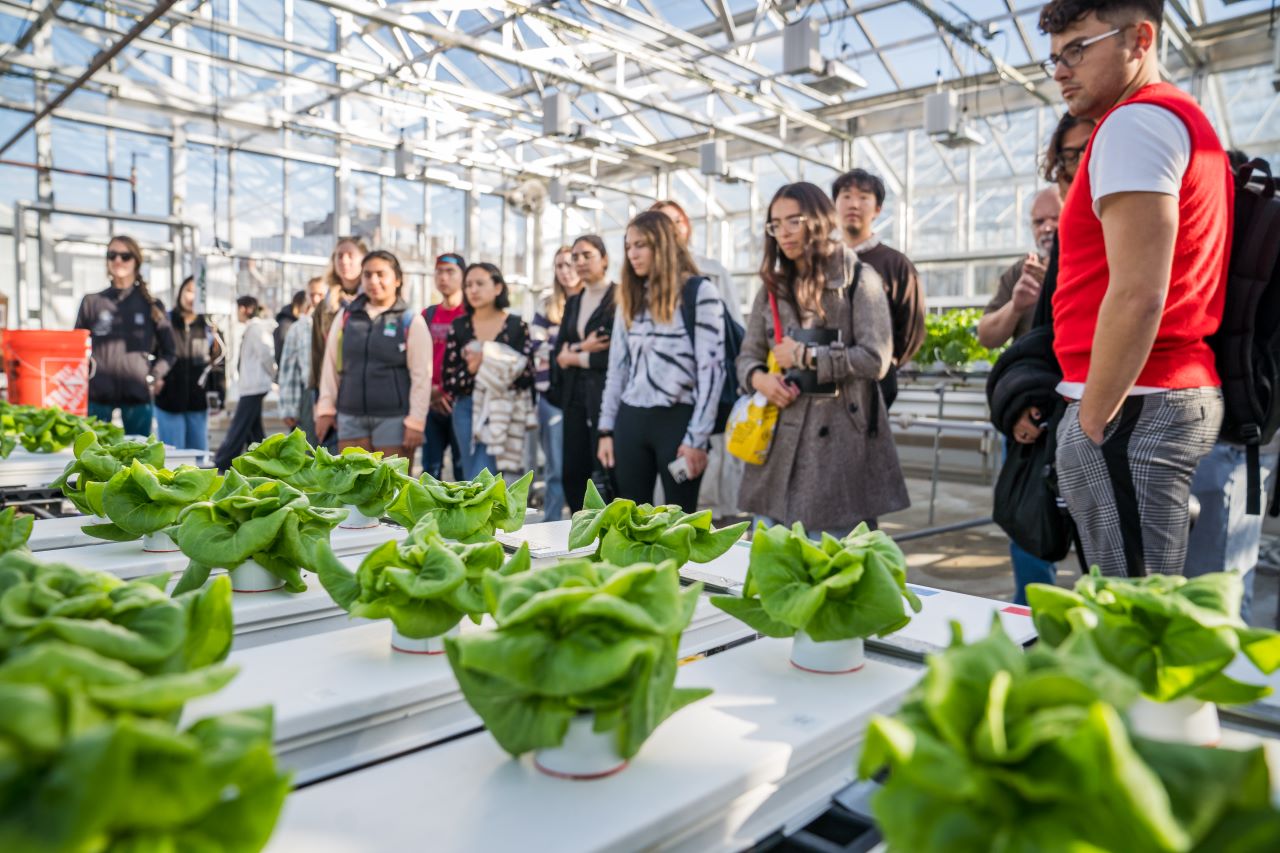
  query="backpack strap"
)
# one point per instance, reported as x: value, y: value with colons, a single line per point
x: 873, y: 411
x: 429, y: 313
x: 689, y: 309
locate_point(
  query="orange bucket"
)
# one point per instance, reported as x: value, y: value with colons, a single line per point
x: 48, y: 368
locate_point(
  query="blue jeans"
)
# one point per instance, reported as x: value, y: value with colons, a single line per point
x: 183, y: 430
x: 440, y: 434
x: 473, y: 457
x: 1224, y: 538
x: 135, y: 418
x: 551, y: 437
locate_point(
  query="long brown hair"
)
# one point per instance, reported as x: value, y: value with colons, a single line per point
x: 555, y: 302
x: 803, y: 282
x: 659, y: 291
x: 157, y: 313
x: 331, y: 271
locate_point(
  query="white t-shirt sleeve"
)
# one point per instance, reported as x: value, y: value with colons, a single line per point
x: 1139, y: 148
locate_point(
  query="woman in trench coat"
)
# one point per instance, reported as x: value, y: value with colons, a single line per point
x: 832, y: 463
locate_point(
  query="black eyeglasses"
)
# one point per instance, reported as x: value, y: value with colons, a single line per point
x: 120, y: 256
x: 1073, y: 54
x: 1071, y: 155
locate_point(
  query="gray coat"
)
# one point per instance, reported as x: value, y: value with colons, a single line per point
x: 824, y: 469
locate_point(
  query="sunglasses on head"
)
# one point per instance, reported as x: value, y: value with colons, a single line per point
x: 120, y: 256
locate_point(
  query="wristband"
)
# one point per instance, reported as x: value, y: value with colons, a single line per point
x: 604, y: 433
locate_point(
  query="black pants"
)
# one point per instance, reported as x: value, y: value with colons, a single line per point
x: 245, y: 429
x: 644, y: 444
x: 579, y: 448
x: 439, y: 437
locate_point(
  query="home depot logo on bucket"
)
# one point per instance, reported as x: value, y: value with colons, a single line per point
x: 48, y: 368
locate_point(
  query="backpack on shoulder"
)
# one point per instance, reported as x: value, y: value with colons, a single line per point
x: 1247, y: 345
x: 733, y: 335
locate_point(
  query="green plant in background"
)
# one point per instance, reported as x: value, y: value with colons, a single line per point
x: 424, y: 584
x: 278, y: 456
x: 94, y: 673
x: 952, y: 339
x: 47, y: 430
x: 641, y: 533
x: 1174, y: 635
x: 467, y: 511
x: 15, y: 530
x: 265, y: 520
x: 141, y: 499
x: 355, y: 477
x: 97, y: 462
x: 1000, y: 750
x: 838, y: 589
x: 578, y: 637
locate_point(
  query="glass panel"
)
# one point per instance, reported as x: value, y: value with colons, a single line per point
x: 364, y: 206
x: 81, y: 147
x: 404, y: 217
x: 487, y: 244
x: 145, y: 159
x: 935, y: 222
x: 258, y: 220
x: 448, y: 229
x: 209, y: 211
x: 311, y: 220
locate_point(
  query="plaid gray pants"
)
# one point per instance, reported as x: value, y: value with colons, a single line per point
x: 1128, y: 496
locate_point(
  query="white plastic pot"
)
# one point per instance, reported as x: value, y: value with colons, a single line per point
x: 1181, y: 721
x: 357, y: 520
x: 834, y: 657
x: 583, y: 754
x: 424, y: 646
x: 158, y: 543
x: 251, y: 577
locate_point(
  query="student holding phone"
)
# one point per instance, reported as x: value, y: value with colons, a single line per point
x: 832, y: 463
x: 663, y: 385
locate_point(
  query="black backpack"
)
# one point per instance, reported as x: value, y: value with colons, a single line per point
x: 733, y: 335
x: 1247, y: 345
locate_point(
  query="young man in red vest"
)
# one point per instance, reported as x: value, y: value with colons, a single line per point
x: 1145, y: 238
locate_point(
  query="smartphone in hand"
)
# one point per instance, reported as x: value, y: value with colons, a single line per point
x: 679, y: 469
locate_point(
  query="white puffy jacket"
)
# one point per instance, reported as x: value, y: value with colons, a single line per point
x: 257, y: 368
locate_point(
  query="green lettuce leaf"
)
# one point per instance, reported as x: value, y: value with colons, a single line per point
x: 997, y: 749
x: 1174, y: 635
x: 468, y: 511
x: 578, y: 637
x: 631, y: 533
x: 15, y: 529
x: 834, y: 590
x: 256, y: 518
x: 424, y: 584
x: 97, y: 462
x: 47, y: 430
x: 141, y: 499
x: 279, y: 456
x: 355, y: 477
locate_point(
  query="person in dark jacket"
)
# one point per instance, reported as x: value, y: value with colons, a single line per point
x: 182, y: 405
x: 581, y: 363
x: 287, y: 316
x: 132, y: 341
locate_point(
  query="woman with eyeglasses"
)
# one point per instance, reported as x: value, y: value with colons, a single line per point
x: 825, y: 317
x: 580, y: 364
x: 665, y: 378
x: 133, y: 348
x: 196, y: 382
x: 546, y: 329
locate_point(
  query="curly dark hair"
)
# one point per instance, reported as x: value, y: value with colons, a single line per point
x: 1057, y: 15
x: 1053, y: 165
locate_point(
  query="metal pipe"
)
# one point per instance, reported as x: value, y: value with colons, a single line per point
x: 95, y: 66
x: 943, y: 528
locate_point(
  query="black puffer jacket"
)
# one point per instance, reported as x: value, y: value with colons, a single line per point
x: 1025, y: 375
x: 127, y: 333
x: 188, y: 383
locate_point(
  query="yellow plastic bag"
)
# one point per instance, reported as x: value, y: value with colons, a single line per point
x: 751, y: 424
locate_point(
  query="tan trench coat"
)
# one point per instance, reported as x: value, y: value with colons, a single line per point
x: 824, y: 468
